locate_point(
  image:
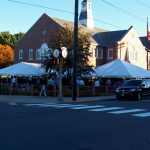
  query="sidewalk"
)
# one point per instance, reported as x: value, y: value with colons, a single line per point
x: 42, y: 99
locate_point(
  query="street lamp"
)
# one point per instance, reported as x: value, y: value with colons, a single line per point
x: 64, y: 53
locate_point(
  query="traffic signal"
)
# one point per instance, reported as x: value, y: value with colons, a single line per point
x: 65, y: 62
x: 54, y: 61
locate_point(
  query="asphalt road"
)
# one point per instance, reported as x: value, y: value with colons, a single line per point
x: 111, y: 125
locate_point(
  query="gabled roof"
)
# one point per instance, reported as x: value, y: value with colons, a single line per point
x: 109, y: 38
x: 144, y: 41
x: 83, y: 28
x: 84, y: 1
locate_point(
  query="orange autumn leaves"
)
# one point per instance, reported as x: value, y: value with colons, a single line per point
x: 6, y: 55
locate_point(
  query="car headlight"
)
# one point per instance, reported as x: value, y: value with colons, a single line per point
x: 117, y: 90
x: 132, y: 90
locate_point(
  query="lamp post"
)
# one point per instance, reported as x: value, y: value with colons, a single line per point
x: 64, y: 53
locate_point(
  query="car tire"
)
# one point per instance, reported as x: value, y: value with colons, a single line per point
x: 118, y: 98
x: 139, y: 96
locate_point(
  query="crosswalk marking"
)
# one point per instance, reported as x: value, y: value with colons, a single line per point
x: 60, y: 105
x: 105, y: 109
x: 55, y: 105
x: 94, y: 108
x: 146, y: 114
x: 38, y: 104
x: 87, y: 107
x: 126, y: 111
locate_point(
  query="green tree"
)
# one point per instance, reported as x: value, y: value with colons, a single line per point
x: 9, y: 39
x: 65, y: 38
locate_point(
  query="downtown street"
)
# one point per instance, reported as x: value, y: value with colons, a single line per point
x: 101, y: 125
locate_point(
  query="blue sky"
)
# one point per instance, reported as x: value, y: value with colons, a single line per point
x: 15, y: 17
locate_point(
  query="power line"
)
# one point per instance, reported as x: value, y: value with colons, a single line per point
x: 34, y: 5
x: 108, y: 23
x: 124, y: 11
x: 144, y: 4
x: 41, y: 6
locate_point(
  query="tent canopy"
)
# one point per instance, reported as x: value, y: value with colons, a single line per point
x: 121, y: 69
x: 23, y: 69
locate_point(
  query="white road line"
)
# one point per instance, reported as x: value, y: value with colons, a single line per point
x: 126, y: 111
x: 147, y: 114
x: 62, y: 106
x: 105, y: 109
x: 12, y: 104
x: 87, y: 107
x: 37, y: 104
x: 54, y: 105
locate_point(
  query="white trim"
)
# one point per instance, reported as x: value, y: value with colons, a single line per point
x: 30, y: 54
x: 20, y: 54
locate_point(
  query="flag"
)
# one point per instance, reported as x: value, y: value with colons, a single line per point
x: 148, y: 35
x: 148, y: 32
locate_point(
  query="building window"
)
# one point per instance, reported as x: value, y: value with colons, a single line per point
x: 30, y: 54
x: 83, y: 6
x: 21, y: 54
x: 101, y: 53
x: 38, y: 54
x: 96, y: 53
x: 148, y: 59
x: 89, y: 6
x: 110, y: 53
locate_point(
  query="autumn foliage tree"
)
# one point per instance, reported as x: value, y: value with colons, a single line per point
x: 65, y: 38
x: 6, y: 55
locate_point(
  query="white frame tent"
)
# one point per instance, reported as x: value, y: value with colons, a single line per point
x: 23, y: 69
x: 121, y: 69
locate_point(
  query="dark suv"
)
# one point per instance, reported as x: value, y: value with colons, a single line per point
x: 134, y: 89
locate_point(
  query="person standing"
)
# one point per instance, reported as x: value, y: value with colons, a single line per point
x: 14, y: 82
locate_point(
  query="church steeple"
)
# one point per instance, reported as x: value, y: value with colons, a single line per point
x: 86, y: 17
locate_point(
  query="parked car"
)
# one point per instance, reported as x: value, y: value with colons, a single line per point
x: 134, y: 89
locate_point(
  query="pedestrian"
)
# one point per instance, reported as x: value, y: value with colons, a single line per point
x: 43, y: 88
x: 14, y: 82
x: 107, y: 84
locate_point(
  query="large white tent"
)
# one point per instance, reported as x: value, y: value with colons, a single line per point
x: 23, y: 69
x: 121, y: 69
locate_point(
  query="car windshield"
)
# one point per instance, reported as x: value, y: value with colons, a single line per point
x: 132, y: 83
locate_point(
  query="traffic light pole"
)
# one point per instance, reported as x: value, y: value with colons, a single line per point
x: 60, y: 95
x: 74, y: 90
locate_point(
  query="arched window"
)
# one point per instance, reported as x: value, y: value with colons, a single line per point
x: 30, y: 54
x: 20, y: 54
x: 110, y: 53
x: 38, y: 54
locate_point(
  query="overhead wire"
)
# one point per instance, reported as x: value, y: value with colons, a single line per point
x: 40, y: 6
x: 124, y: 11
x: 142, y: 3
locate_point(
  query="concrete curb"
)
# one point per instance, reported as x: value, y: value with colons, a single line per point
x: 42, y: 99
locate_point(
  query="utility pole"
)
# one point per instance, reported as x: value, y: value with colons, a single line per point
x: 147, y: 42
x: 74, y: 90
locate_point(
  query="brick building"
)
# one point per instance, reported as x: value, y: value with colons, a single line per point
x: 106, y: 45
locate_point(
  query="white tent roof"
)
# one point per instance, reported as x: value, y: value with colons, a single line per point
x: 121, y: 69
x: 23, y: 69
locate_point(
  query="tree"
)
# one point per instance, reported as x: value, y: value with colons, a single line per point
x: 9, y: 39
x: 64, y: 38
x: 6, y: 55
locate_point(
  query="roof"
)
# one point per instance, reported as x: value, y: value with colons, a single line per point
x: 83, y: 28
x: 109, y: 38
x: 145, y: 42
x: 84, y: 1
